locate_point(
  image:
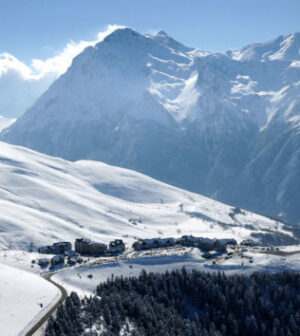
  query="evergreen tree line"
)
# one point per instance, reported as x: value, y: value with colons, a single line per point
x: 185, y: 303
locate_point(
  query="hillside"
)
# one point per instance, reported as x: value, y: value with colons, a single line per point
x: 45, y: 199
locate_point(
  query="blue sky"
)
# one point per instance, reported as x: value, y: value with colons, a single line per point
x: 40, y: 38
x: 41, y: 28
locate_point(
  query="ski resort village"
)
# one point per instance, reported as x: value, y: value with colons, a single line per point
x: 150, y: 169
x: 219, y: 250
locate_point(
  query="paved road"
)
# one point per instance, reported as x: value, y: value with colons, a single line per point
x: 63, y: 291
x: 52, y: 310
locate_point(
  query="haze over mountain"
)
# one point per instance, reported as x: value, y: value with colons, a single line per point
x: 227, y: 126
x: 4, y: 122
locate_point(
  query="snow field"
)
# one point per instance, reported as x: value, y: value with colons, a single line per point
x: 44, y: 199
x: 24, y: 298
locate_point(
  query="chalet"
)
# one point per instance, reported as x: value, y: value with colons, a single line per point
x: 206, y: 244
x: 188, y: 241
x: 142, y: 244
x: 73, y: 259
x: 58, y: 259
x: 221, y: 244
x: 45, y: 249
x: 250, y: 243
x: 56, y: 248
x: 117, y: 245
x: 86, y: 246
x: 61, y: 247
x: 145, y: 244
x: 210, y: 254
x: 70, y: 253
x: 43, y: 262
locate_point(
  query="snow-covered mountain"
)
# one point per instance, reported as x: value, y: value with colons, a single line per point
x: 226, y: 126
x: 283, y: 48
x: 44, y: 199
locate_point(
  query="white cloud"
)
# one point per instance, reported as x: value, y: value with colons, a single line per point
x: 60, y: 63
x: 21, y: 84
x: 9, y: 62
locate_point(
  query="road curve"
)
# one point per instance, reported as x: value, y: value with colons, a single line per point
x: 63, y: 291
x: 52, y: 310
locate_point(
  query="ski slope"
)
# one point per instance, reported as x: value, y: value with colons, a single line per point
x: 46, y: 199
x: 24, y: 298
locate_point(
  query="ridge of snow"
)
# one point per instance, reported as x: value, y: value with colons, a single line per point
x: 163, y: 38
x: 281, y: 48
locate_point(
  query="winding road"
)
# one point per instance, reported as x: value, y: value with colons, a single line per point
x: 63, y: 291
x: 52, y: 310
x: 64, y: 294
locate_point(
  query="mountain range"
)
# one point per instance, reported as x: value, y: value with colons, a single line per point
x: 224, y: 125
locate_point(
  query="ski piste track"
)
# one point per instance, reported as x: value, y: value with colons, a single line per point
x: 99, y: 261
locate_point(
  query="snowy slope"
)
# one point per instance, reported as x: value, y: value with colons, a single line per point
x: 4, y: 122
x: 44, y: 199
x: 21, y: 296
x: 282, y: 48
x: 193, y: 119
